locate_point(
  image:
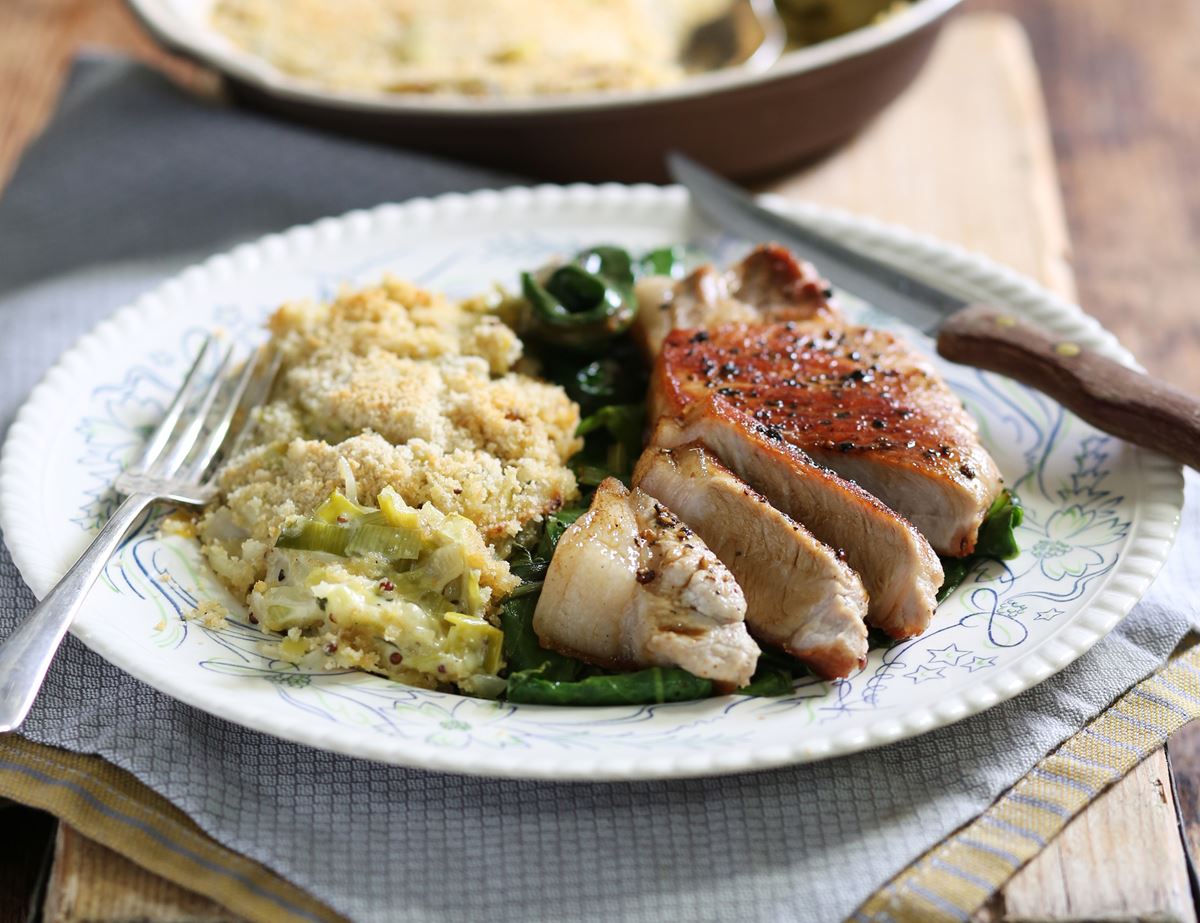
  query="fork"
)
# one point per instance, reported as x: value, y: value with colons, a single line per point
x: 172, y: 467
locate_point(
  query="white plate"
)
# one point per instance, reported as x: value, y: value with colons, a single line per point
x: 1101, y: 515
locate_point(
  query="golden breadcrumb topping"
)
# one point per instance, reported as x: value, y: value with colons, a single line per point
x: 396, y: 317
x: 210, y: 612
x: 410, y: 390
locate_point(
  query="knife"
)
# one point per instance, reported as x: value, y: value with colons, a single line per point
x: 1129, y: 404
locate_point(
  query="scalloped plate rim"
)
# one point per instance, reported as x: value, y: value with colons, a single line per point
x: 1146, y: 553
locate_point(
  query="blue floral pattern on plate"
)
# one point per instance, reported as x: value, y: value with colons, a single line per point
x: 1080, y: 488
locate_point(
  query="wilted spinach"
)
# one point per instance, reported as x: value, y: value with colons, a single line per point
x: 997, y: 541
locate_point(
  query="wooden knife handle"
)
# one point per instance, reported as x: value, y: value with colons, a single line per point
x: 1139, y: 409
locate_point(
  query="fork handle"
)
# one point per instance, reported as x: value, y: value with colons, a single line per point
x: 1119, y: 400
x: 26, y: 654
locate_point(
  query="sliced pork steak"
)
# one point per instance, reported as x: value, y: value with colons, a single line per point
x: 800, y: 596
x: 770, y: 284
x: 857, y: 400
x: 630, y: 586
x: 898, y: 567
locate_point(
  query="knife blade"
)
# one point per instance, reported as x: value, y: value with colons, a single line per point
x: 914, y: 301
x: 1112, y: 397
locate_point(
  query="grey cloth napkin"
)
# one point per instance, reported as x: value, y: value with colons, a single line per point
x: 132, y: 181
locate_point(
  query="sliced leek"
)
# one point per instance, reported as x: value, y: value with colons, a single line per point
x: 394, y: 589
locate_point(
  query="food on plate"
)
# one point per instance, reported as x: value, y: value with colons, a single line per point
x: 800, y: 596
x: 857, y: 400
x: 449, y: 493
x: 630, y: 587
x: 390, y: 387
x: 770, y: 284
x: 898, y: 568
x: 582, y: 302
x: 395, y: 590
x: 410, y: 390
x: 497, y: 47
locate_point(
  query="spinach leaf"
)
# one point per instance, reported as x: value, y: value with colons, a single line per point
x: 590, y: 474
x: 556, y: 525
x: 608, y: 262
x: 997, y: 541
x: 665, y: 261
x: 524, y: 564
x: 617, y: 379
x: 877, y: 637
x: 768, y: 681
x: 955, y: 571
x: 621, y: 376
x: 612, y: 443
x: 774, y: 675
x: 583, y: 304
x: 622, y: 423
x: 574, y: 290
x: 997, y: 537
x: 772, y: 658
x: 522, y: 651
x: 645, y: 687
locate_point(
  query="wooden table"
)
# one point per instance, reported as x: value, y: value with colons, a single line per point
x: 1125, y: 141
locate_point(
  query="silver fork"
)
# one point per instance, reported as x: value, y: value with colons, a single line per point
x: 171, y: 468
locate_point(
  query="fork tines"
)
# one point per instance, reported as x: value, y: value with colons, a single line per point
x: 200, y: 420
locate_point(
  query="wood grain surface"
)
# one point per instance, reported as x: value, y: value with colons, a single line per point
x: 92, y: 884
x: 1121, y: 89
x: 1185, y: 757
x: 38, y: 39
x: 965, y: 155
x: 25, y: 837
x: 1102, y: 866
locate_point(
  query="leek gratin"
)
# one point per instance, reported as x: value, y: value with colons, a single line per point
x: 397, y: 462
x: 394, y: 590
x: 499, y: 47
x: 471, y: 47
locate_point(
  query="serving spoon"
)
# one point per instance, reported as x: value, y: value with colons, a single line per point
x: 750, y: 35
